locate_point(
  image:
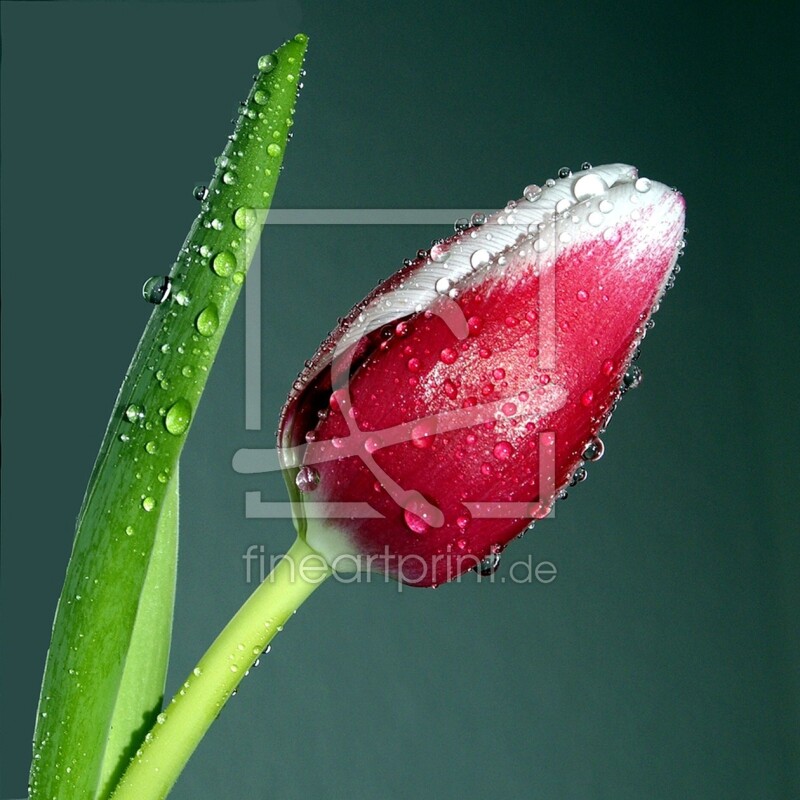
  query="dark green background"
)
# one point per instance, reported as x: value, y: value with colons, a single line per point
x: 663, y: 661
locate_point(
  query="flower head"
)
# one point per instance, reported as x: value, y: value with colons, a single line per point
x: 453, y: 404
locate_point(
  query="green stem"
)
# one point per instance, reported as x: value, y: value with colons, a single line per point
x: 180, y: 728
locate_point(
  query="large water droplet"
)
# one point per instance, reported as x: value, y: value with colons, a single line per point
x: 532, y: 192
x: 156, y: 289
x: 480, y: 258
x: 261, y: 97
x: 224, y: 263
x: 444, y: 285
x: 632, y: 378
x: 178, y: 417
x: 207, y: 320
x: 594, y: 450
x: 267, y: 63
x: 414, y: 522
x: 590, y: 185
x: 244, y: 217
x: 439, y: 253
x: 200, y: 192
x: 148, y: 503
x: 642, y: 185
x: 307, y: 479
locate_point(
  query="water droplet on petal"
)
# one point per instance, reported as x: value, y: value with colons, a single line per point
x: 594, y: 450
x: 480, y: 258
x: 478, y: 218
x: 632, y: 378
x: 502, y: 451
x: 444, y: 285
x: 532, y: 192
x: 489, y: 564
x: 642, y: 185
x: 439, y: 253
x: 590, y: 185
x: 564, y: 172
x: 307, y: 479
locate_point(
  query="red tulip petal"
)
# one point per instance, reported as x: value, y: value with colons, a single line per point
x: 469, y: 385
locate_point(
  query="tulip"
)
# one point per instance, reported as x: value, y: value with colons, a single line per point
x: 453, y: 405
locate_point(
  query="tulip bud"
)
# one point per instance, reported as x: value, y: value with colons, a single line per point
x: 451, y: 406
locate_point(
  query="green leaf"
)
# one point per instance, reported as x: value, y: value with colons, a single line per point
x: 88, y: 710
x: 141, y: 690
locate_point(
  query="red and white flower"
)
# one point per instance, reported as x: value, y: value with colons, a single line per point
x: 454, y: 403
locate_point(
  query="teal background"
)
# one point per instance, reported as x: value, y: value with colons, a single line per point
x: 663, y: 660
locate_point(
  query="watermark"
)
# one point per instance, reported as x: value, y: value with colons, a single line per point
x: 535, y: 403
x: 388, y: 567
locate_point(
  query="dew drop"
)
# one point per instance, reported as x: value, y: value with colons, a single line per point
x: 444, y: 285
x: 244, y: 217
x: 590, y: 185
x: 261, y: 97
x: 439, y: 253
x: 217, y: 224
x: 178, y: 417
x: 562, y: 205
x: 156, y: 289
x: 632, y: 378
x: 502, y: 451
x: 582, y: 295
x: 134, y: 413
x: 532, y: 192
x: 238, y: 278
x: 267, y: 63
x: 414, y: 522
x: 586, y: 165
x: 642, y: 185
x: 129, y: 530
x: 148, y: 503
x: 448, y: 355
x: 307, y: 479
x: 488, y: 565
x: 228, y: 178
x: 200, y: 192
x: 594, y: 450
x: 151, y: 447
x: 207, y: 320
x: 480, y: 258
x: 564, y: 172
x: 587, y: 397
x: 224, y: 263
x: 478, y: 219
x: 273, y: 150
